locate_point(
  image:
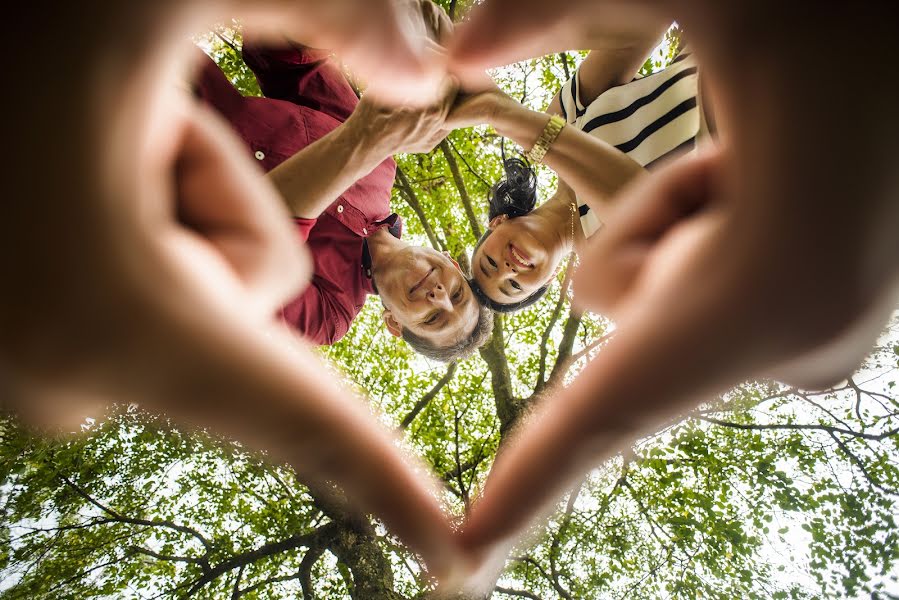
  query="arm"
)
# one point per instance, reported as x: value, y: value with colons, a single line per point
x: 592, y: 168
x: 615, y: 62
x: 313, y: 178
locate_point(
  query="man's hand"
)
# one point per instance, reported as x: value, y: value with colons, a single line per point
x: 390, y: 130
x: 393, y: 45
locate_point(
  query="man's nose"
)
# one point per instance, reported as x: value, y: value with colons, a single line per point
x: 438, y: 296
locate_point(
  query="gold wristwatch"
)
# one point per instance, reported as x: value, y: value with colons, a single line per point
x: 546, y: 139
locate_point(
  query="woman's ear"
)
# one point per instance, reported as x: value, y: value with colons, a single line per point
x: 497, y: 221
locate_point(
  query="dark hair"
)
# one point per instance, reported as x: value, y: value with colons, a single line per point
x: 514, y: 195
x: 461, y: 349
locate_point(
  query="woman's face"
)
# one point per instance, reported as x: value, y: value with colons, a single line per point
x: 519, y: 257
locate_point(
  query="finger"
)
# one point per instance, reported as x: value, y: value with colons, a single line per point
x: 504, y: 31
x: 646, y: 213
x: 444, y: 25
x: 225, y: 200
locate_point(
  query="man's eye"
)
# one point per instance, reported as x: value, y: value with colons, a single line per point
x: 515, y: 285
x: 492, y: 263
x: 457, y: 295
x: 431, y: 319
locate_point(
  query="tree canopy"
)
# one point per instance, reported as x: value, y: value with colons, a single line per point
x: 765, y: 492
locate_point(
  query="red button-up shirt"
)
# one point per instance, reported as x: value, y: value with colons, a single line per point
x: 306, y: 98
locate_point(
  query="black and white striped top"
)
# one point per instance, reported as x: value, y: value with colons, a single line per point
x: 652, y: 119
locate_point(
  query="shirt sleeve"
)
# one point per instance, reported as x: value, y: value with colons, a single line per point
x: 570, y: 99
x: 303, y: 76
x: 318, y: 315
x: 304, y: 226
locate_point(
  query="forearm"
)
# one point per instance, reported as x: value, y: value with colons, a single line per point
x: 595, y: 170
x: 312, y: 179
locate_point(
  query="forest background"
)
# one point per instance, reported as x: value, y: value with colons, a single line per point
x: 764, y: 492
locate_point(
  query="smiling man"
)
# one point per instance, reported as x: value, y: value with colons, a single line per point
x: 329, y: 156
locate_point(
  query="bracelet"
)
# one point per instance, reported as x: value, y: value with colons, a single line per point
x: 546, y: 139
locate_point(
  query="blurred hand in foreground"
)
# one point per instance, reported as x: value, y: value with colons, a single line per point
x: 144, y: 257
x: 775, y: 255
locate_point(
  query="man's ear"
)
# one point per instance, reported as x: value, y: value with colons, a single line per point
x: 452, y: 260
x: 497, y: 221
x: 393, y: 326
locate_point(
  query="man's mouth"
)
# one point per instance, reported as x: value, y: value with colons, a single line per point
x: 421, y: 281
x: 519, y: 258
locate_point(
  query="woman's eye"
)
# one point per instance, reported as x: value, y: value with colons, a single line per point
x: 515, y: 285
x: 492, y: 263
x: 431, y: 319
x: 458, y: 295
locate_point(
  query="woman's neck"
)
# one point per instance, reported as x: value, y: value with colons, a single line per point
x: 559, y: 213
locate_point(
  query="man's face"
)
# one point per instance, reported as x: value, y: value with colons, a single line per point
x: 425, y: 292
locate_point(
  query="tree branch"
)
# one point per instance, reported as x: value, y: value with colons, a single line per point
x: 308, y: 540
x: 800, y: 427
x: 306, y: 565
x: 144, y: 522
x: 587, y: 349
x: 861, y: 466
x: 228, y: 43
x: 202, y: 563
x: 412, y: 200
x: 235, y: 591
x: 494, y: 354
x: 463, y: 191
x: 426, y: 399
x: 468, y: 166
x: 554, y: 318
x: 566, y: 346
x: 563, y: 56
x: 554, y: 547
x: 269, y: 581
x: 465, y: 498
x: 519, y: 593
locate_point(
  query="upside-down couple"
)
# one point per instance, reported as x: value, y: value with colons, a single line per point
x: 329, y: 155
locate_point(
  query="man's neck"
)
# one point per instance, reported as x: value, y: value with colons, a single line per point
x: 382, y: 245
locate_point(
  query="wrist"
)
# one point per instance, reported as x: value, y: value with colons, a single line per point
x: 504, y: 114
x: 365, y: 143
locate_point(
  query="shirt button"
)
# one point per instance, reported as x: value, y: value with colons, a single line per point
x: 364, y: 231
x: 340, y: 208
x: 260, y: 155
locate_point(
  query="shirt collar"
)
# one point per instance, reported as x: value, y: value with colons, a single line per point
x: 395, y: 227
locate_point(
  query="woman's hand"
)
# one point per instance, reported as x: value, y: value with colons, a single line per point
x: 480, y: 108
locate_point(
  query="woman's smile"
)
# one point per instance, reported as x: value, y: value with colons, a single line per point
x: 519, y: 258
